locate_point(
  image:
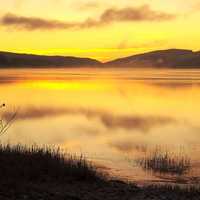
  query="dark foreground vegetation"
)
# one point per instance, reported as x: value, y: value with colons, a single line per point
x: 165, y: 162
x: 44, y: 164
x: 48, y: 174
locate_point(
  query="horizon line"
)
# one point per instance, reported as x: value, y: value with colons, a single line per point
x: 82, y: 57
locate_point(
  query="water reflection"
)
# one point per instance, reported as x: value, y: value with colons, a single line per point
x: 110, y: 121
x: 109, y: 115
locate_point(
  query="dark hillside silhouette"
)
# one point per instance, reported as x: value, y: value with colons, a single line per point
x: 171, y: 58
x: 27, y: 60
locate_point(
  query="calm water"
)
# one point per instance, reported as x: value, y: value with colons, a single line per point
x: 110, y: 116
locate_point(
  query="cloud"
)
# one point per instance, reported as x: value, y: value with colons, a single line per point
x: 128, y: 14
x: 143, y: 13
x: 32, y: 23
x: 108, y: 120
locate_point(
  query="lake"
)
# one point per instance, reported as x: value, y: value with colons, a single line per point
x: 111, y: 116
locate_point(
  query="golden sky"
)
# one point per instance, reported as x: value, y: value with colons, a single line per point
x: 99, y: 29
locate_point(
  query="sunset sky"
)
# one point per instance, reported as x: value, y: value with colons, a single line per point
x: 99, y: 29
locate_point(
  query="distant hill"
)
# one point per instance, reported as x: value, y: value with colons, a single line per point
x: 173, y: 58
x: 8, y: 59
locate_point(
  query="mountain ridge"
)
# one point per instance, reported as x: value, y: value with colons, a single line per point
x: 161, y: 58
x: 171, y: 58
x: 9, y: 59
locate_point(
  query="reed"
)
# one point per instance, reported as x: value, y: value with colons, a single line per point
x: 160, y: 161
x: 35, y: 163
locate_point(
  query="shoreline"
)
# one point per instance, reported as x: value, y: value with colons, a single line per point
x: 47, y: 174
x: 111, y: 190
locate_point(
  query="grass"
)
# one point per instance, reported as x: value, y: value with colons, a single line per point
x: 160, y: 161
x: 48, y: 173
x: 44, y: 164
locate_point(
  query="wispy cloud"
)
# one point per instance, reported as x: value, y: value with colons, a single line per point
x: 128, y: 14
x: 143, y: 13
x: 32, y: 23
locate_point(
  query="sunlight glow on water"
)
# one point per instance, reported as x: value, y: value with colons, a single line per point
x: 111, y: 116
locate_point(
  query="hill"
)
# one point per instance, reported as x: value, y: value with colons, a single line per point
x: 173, y: 58
x: 8, y: 59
